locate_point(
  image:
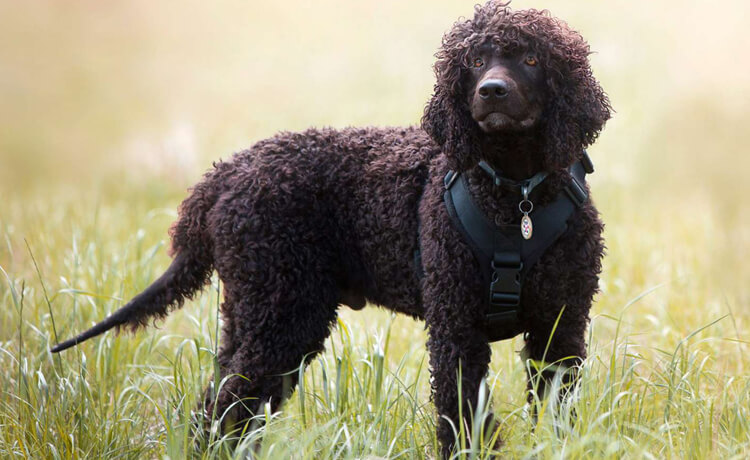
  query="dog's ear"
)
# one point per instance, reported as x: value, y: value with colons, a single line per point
x: 576, y: 111
x: 447, y: 118
x: 435, y: 118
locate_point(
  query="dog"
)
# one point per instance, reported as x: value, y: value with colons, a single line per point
x: 301, y: 223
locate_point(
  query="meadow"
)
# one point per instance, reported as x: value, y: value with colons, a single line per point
x: 109, y: 111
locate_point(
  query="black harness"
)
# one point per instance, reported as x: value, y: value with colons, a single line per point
x: 504, y: 255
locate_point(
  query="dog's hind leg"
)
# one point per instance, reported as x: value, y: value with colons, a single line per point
x: 276, y: 324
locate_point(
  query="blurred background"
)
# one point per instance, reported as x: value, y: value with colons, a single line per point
x: 121, y: 105
x: 110, y: 110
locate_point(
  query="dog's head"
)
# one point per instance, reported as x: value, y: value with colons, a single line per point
x: 519, y: 73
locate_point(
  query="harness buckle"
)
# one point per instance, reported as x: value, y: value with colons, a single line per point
x: 505, y: 286
x: 576, y: 192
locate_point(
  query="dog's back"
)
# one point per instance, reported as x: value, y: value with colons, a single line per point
x: 350, y: 194
x: 348, y: 198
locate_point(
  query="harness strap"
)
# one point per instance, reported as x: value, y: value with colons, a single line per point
x: 503, y: 255
x: 513, y: 185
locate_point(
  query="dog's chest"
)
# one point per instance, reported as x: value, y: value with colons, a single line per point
x: 500, y: 206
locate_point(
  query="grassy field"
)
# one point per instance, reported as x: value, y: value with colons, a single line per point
x: 110, y: 110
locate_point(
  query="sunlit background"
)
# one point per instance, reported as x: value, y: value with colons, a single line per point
x: 109, y: 110
x: 101, y: 100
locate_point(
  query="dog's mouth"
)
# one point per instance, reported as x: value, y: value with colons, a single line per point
x: 498, y: 121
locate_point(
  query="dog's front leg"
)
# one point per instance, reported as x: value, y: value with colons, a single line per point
x: 553, y: 353
x: 455, y: 353
x: 558, y: 315
x: 452, y: 296
x: 457, y: 344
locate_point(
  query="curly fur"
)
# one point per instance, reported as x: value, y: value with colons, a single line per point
x: 302, y: 222
x: 577, y: 108
x: 566, y: 277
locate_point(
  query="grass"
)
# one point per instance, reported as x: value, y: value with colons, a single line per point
x: 657, y: 384
x: 107, y: 119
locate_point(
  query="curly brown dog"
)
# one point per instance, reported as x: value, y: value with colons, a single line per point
x: 302, y: 222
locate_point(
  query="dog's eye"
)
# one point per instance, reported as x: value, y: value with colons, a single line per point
x: 530, y: 60
x: 478, y: 62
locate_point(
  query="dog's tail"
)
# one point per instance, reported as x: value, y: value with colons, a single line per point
x: 189, y: 271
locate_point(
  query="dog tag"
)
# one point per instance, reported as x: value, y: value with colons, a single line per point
x: 526, y: 206
x: 527, y: 228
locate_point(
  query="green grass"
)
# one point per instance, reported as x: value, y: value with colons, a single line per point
x: 110, y: 112
x: 657, y: 384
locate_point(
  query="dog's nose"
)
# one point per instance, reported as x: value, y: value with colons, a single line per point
x: 494, y: 88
